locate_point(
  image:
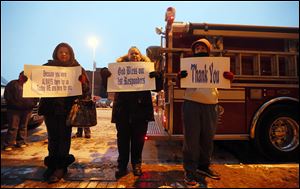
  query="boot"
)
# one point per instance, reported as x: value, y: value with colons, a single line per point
x: 121, y: 171
x: 61, y: 168
x: 69, y: 159
x: 137, y: 169
x: 87, y: 132
x: 50, y: 162
x: 65, y: 162
x: 57, y: 175
x: 78, y: 134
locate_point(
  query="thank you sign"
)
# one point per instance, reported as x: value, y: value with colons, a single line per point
x: 130, y: 76
x: 205, y: 72
x: 52, y: 81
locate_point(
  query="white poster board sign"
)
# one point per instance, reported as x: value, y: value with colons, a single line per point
x: 52, y: 81
x: 130, y: 76
x: 205, y: 72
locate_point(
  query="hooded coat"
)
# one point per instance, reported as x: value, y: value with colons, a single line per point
x: 132, y: 107
x: 61, y: 105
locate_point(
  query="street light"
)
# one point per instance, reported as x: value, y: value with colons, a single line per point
x: 93, y: 42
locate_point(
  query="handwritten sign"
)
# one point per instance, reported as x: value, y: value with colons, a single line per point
x: 52, y: 81
x: 205, y: 72
x: 130, y: 76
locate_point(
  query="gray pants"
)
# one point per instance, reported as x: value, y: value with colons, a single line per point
x: 199, y: 127
x: 17, y: 127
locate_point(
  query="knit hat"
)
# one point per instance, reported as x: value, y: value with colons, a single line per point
x: 204, y: 41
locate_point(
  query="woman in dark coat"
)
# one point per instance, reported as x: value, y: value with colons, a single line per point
x: 131, y: 112
x: 55, y: 111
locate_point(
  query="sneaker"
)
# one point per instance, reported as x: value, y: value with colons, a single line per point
x: 87, y: 136
x: 21, y: 145
x: 189, y: 179
x: 201, y: 180
x: 210, y: 173
x: 7, y: 148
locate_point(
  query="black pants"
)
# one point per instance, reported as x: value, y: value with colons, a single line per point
x: 59, y: 136
x: 131, y: 138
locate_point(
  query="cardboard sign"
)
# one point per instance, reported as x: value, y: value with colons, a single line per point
x: 52, y: 81
x: 205, y: 72
x: 130, y: 76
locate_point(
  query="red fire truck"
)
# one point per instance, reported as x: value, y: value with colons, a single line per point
x: 262, y: 103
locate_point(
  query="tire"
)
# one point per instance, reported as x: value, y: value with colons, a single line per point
x: 277, y: 134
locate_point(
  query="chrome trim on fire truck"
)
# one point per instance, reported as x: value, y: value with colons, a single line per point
x: 231, y: 137
x: 216, y: 137
x: 180, y: 27
x: 246, y: 34
x: 264, y: 85
x: 262, y: 108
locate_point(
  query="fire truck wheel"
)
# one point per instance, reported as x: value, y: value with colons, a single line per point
x: 277, y: 134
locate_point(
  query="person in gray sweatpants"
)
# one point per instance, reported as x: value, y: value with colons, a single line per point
x: 200, y: 121
x: 200, y: 115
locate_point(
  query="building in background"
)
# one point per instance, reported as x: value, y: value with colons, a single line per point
x: 99, y: 90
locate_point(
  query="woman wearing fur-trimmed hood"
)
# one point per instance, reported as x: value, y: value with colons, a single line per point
x: 140, y: 57
x: 131, y: 112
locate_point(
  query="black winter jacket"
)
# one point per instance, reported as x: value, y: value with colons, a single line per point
x: 13, y: 96
x: 132, y: 107
x: 62, y: 105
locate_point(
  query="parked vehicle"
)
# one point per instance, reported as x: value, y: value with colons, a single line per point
x: 35, y: 119
x: 104, y: 103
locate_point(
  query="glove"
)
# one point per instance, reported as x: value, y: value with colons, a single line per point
x: 82, y: 78
x: 153, y: 74
x: 182, y: 74
x: 23, y: 78
x: 105, y: 73
x: 228, y: 75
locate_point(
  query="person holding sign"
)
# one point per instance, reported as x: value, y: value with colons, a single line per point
x: 200, y: 115
x: 55, y: 111
x: 131, y: 112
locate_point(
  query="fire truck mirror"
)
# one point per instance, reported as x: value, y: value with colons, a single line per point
x: 154, y: 53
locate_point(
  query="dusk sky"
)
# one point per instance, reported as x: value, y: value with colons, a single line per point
x: 31, y: 30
